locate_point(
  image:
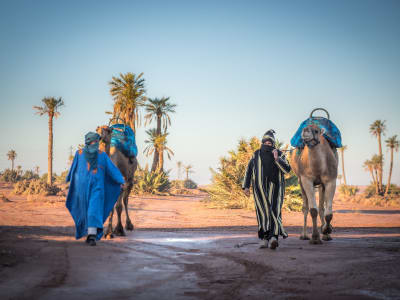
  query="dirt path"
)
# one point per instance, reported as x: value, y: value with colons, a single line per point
x: 182, y: 250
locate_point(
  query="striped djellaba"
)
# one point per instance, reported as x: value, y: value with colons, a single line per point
x: 268, y: 195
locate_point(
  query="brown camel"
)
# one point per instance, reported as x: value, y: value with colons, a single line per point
x: 316, y: 165
x: 127, y: 167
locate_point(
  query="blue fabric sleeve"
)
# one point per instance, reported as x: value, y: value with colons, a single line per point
x: 73, y: 167
x: 112, y: 171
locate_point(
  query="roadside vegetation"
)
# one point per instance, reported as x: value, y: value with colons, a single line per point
x: 226, y: 188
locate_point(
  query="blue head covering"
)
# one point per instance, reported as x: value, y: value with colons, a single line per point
x: 91, y: 150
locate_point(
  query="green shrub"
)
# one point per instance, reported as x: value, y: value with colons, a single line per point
x: 44, y: 177
x: 348, y: 190
x: 35, y: 187
x: 151, y: 182
x: 189, y: 184
x: 293, y: 200
x: 225, y: 190
x: 10, y: 176
x: 63, y: 176
x: 29, y: 175
x: 177, y: 184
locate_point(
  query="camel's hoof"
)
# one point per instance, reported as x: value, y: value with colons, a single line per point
x: 129, y: 226
x: 326, y: 237
x: 108, y: 236
x: 304, y: 237
x: 328, y: 229
x: 315, y: 242
x: 119, y: 231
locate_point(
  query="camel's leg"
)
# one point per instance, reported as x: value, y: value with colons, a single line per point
x: 304, y: 235
x: 119, y: 230
x: 109, y: 234
x: 329, y: 194
x: 312, y: 204
x: 129, y: 225
x: 322, y: 204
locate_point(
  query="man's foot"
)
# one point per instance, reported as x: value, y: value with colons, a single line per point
x: 91, y: 240
x: 274, y: 243
x: 263, y: 244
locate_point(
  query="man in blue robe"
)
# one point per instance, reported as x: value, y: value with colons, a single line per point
x: 95, y: 186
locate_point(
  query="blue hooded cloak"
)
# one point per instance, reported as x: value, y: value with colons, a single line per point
x: 92, y: 193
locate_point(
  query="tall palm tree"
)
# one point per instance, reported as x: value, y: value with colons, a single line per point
x: 50, y: 107
x: 128, y: 93
x: 378, y: 129
x: 393, y: 144
x: 157, y: 142
x: 159, y: 109
x: 368, y: 166
x: 12, y: 155
x: 188, y: 169
x: 342, y: 154
x: 179, y: 165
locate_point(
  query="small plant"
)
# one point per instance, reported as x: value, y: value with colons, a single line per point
x: 29, y: 175
x: 151, y: 182
x: 10, y: 176
x: 348, y: 190
x: 35, y: 187
x: 293, y: 200
x: 189, y: 184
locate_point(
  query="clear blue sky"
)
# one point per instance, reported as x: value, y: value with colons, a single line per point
x: 234, y: 68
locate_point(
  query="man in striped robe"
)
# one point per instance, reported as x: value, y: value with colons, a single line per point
x: 265, y: 172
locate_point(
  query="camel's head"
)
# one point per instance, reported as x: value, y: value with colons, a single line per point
x: 311, y: 134
x: 105, y: 134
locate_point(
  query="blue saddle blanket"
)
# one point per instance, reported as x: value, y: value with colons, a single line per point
x: 332, y: 133
x: 123, y: 138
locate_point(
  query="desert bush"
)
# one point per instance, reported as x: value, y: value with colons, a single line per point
x: 293, y: 200
x: 147, y: 182
x: 35, y: 187
x: 189, y: 184
x: 61, y: 179
x: 177, y: 184
x: 44, y: 177
x: 29, y: 175
x: 10, y: 176
x: 225, y: 190
x: 348, y: 190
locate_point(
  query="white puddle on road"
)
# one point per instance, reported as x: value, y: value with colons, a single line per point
x: 194, y: 240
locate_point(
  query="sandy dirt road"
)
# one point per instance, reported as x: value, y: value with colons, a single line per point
x: 182, y: 250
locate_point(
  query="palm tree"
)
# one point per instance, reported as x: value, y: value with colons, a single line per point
x: 128, y: 93
x: 19, y: 170
x: 12, y: 155
x: 179, y: 164
x: 378, y: 129
x: 368, y: 166
x: 50, y: 107
x: 188, y: 169
x: 158, y: 109
x: 157, y: 142
x: 342, y: 154
x: 377, y: 162
x: 393, y: 144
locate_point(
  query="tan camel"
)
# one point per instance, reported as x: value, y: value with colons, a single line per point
x: 316, y: 165
x: 127, y: 168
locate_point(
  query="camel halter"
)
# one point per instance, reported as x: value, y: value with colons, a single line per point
x: 313, y: 142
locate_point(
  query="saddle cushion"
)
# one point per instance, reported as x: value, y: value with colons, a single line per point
x: 332, y: 133
x: 123, y: 138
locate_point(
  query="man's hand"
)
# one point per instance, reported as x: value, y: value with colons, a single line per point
x: 247, y: 192
x: 275, y: 153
